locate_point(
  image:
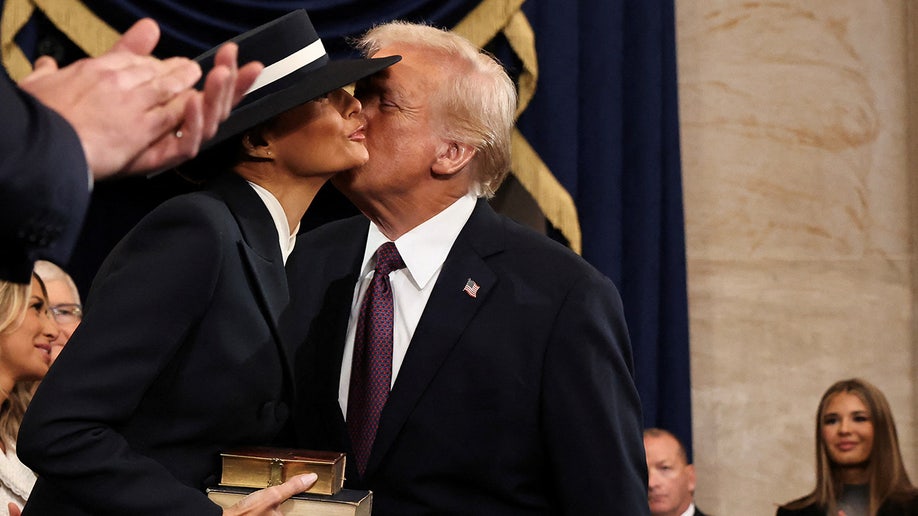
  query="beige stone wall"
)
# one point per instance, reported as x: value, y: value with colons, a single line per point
x: 800, y: 225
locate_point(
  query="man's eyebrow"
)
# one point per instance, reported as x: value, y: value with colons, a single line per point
x: 395, y: 90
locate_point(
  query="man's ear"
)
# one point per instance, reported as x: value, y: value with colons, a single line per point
x: 690, y: 472
x: 452, y: 157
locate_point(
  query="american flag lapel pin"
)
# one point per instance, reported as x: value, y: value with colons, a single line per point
x: 471, y: 288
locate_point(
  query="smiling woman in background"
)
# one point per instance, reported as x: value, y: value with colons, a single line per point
x: 859, y: 469
x: 26, y: 333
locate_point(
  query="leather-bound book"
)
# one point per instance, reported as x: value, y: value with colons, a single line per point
x: 260, y: 466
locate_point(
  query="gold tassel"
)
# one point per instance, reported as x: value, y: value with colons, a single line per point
x: 522, y: 40
x: 554, y: 200
x: 480, y: 26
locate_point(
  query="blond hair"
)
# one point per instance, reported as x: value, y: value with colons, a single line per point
x: 478, y: 99
x: 14, y: 301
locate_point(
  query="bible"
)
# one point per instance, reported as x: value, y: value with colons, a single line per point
x: 260, y: 466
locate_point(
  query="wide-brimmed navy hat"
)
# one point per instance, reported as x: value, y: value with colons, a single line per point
x: 297, y: 70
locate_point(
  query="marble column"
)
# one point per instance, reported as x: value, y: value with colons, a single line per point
x: 801, y: 223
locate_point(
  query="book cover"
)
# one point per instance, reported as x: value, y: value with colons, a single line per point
x: 346, y: 502
x: 262, y: 466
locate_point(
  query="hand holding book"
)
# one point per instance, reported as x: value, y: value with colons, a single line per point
x: 246, y: 471
x: 268, y: 500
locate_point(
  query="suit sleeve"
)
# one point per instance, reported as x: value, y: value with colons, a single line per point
x: 591, y: 412
x: 44, y: 184
x: 146, y: 301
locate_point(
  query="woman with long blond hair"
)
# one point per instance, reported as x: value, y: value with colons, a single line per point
x: 26, y: 333
x: 859, y: 469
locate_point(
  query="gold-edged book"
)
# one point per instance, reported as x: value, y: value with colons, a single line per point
x: 346, y: 502
x: 262, y: 466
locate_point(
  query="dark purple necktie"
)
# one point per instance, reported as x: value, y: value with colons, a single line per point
x: 371, y: 368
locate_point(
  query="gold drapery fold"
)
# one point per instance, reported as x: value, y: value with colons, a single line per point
x: 480, y: 26
x: 71, y: 17
x: 16, y: 14
x: 522, y: 40
x: 538, y: 180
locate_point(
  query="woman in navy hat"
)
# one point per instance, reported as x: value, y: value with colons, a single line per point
x: 179, y: 354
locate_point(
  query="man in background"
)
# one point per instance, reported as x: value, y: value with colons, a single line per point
x: 671, y: 487
x: 63, y: 301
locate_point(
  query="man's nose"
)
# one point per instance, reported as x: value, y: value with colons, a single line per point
x: 652, y: 477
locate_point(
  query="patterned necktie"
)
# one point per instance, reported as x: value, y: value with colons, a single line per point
x: 371, y: 367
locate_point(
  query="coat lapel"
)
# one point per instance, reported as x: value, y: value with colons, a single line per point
x: 260, y: 254
x: 448, y: 312
x: 329, y: 256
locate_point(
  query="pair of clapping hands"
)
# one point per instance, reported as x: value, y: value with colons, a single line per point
x: 135, y: 113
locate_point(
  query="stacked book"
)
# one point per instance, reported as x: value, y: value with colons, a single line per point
x: 245, y: 470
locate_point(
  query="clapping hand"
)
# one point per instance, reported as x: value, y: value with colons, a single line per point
x: 134, y: 112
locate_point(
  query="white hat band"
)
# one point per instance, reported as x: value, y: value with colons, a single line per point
x: 274, y: 72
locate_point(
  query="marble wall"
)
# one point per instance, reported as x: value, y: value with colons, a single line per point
x: 800, y: 228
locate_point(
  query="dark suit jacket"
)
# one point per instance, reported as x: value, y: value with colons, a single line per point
x: 517, y: 401
x: 175, y: 360
x: 907, y: 506
x: 44, y: 184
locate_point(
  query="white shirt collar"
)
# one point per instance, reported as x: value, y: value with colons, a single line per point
x: 424, y: 248
x: 690, y: 511
x: 286, y: 238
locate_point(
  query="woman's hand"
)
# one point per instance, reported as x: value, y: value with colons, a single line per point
x: 266, y: 502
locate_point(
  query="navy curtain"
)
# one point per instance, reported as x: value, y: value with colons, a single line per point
x: 604, y: 119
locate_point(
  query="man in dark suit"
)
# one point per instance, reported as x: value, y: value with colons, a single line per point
x: 65, y: 127
x: 511, y: 369
x: 671, y: 477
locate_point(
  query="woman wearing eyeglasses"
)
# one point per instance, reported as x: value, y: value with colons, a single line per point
x: 64, y: 302
x: 26, y: 333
